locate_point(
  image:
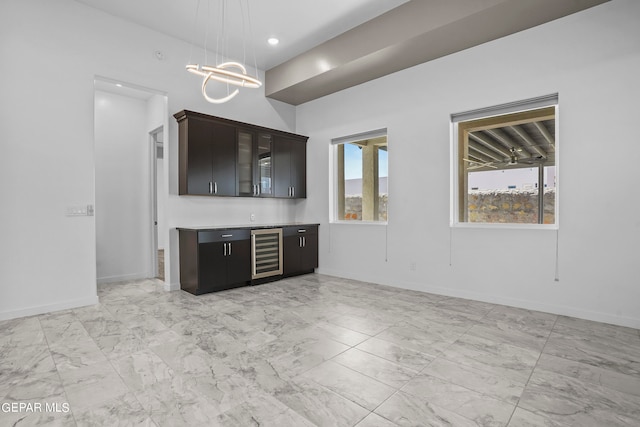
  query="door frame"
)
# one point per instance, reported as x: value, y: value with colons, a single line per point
x: 153, y: 196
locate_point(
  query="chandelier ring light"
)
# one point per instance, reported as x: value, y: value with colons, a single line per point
x: 222, y: 74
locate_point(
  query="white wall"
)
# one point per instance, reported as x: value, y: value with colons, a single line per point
x: 592, y: 59
x: 123, y: 216
x: 51, y: 53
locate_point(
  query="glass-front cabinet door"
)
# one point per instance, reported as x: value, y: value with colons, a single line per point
x: 246, y: 184
x: 264, y: 157
x: 254, y: 164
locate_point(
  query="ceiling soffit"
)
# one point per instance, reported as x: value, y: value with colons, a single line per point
x: 413, y: 33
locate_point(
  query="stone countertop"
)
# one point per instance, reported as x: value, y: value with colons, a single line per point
x: 245, y: 227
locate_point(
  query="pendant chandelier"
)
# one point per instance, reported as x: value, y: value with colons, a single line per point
x: 226, y: 71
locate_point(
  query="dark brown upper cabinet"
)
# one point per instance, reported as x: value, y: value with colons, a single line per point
x: 290, y: 167
x: 221, y: 157
x: 207, y: 151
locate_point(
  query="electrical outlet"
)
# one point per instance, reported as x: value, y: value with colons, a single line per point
x: 252, y: 217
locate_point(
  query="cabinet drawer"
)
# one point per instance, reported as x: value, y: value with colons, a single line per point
x: 299, y: 230
x: 225, y: 235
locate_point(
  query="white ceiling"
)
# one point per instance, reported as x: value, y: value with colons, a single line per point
x: 330, y: 45
x: 299, y: 24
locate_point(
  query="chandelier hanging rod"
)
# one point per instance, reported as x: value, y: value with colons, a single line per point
x: 222, y: 72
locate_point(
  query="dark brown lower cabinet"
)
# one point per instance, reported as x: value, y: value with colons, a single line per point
x: 299, y: 249
x: 214, y: 260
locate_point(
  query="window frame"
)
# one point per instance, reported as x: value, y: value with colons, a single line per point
x: 458, y: 187
x: 335, y: 177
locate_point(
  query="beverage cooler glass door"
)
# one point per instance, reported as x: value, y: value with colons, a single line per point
x: 266, y: 252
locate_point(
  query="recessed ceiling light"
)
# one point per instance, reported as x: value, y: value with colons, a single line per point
x: 273, y: 41
x: 118, y: 84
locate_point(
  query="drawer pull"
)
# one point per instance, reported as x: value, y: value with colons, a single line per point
x: 227, y: 235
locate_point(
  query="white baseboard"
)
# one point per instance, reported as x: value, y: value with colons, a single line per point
x: 42, y: 309
x: 630, y: 322
x: 136, y: 276
x: 171, y: 286
x: 122, y: 278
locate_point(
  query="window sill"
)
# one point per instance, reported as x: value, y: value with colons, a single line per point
x: 504, y: 226
x: 339, y: 222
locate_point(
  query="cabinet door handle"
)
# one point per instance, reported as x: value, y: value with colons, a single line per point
x: 224, y: 245
x: 293, y: 191
x: 258, y: 189
x: 210, y: 187
x: 304, y: 242
x: 229, y: 248
x: 215, y: 188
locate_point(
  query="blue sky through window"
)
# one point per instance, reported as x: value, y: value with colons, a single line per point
x: 353, y: 162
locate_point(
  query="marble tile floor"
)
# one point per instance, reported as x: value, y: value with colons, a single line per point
x: 313, y: 351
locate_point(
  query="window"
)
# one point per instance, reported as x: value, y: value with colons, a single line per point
x: 361, y: 177
x: 505, y: 167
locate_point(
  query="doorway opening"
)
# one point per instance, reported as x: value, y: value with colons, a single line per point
x: 130, y: 175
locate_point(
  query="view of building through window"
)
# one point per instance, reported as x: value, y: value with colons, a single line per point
x: 511, y: 195
x: 507, y: 168
x: 362, y: 181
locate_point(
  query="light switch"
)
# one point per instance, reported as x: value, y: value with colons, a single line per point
x: 80, y: 210
x: 76, y: 211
